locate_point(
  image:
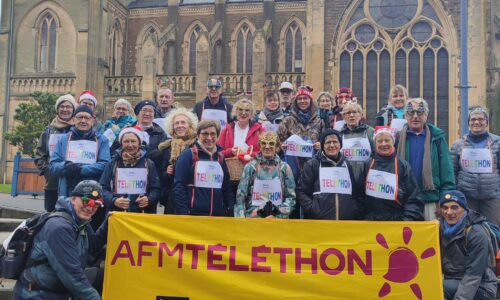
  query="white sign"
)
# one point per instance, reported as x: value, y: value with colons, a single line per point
x: 216, y: 115
x: 339, y: 125
x: 110, y: 135
x: 398, y: 124
x: 208, y: 174
x: 296, y: 146
x: 476, y: 160
x: 381, y: 185
x: 267, y: 190
x: 335, y: 180
x: 356, y: 149
x: 161, y: 122
x: 53, y: 140
x: 131, y: 181
x: 82, y: 152
x: 268, y: 127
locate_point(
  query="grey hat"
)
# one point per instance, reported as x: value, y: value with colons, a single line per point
x: 88, y: 188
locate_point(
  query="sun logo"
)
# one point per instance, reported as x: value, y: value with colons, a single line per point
x: 403, y: 264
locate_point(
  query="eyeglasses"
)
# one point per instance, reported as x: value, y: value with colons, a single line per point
x: 65, y: 107
x: 214, y: 87
x: 480, y: 120
x: 411, y: 111
x: 333, y: 142
x: 348, y: 113
x: 80, y: 118
x: 147, y: 111
x: 265, y: 144
x: 344, y: 97
x: 241, y: 110
x: 286, y: 91
x: 208, y: 134
x: 303, y: 98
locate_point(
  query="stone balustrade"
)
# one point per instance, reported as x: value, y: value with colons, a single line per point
x: 122, y: 85
x: 57, y: 84
x: 273, y: 80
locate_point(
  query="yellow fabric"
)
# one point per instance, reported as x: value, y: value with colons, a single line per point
x: 351, y: 258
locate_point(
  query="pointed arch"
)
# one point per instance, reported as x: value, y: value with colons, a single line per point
x: 242, y: 46
x: 147, y: 46
x: 375, y: 51
x: 46, y: 24
x: 189, y: 45
x: 291, y: 46
x: 115, y: 48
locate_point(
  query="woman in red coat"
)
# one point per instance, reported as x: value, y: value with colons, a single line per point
x: 242, y: 135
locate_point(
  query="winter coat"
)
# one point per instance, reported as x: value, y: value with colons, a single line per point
x: 477, y: 185
x: 42, y: 156
x: 468, y: 261
x: 88, y: 171
x: 108, y: 181
x: 167, y: 197
x: 222, y: 104
x: 191, y: 200
x: 117, y: 124
x: 261, y: 168
x: 328, y: 206
x: 361, y: 131
x: 66, y: 247
x: 312, y: 131
x: 442, y: 168
x: 408, y: 207
x: 226, y: 138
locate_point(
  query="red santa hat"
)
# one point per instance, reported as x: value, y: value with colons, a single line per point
x: 88, y: 94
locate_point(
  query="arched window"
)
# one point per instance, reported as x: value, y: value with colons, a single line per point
x: 293, y: 48
x: 244, y: 50
x: 383, y: 43
x: 192, y: 49
x: 47, y: 39
x: 115, y: 49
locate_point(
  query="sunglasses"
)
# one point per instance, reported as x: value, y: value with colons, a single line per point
x: 411, y: 111
x: 267, y: 144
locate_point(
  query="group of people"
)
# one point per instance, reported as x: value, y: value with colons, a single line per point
x: 297, y: 157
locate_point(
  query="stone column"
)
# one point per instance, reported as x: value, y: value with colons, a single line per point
x: 477, y: 44
x: 315, y: 45
x: 202, y: 65
x: 258, y: 69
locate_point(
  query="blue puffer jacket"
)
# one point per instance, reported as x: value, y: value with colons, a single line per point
x: 66, y: 246
x: 478, y: 186
x: 152, y: 187
x: 88, y: 171
x: 117, y: 124
x: 196, y: 200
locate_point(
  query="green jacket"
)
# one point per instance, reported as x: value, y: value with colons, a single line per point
x: 265, y: 169
x: 443, y: 176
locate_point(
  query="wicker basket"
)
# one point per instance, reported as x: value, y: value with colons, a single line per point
x: 235, y: 166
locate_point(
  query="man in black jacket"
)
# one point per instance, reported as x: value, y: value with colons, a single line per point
x: 209, y: 108
x: 465, y: 250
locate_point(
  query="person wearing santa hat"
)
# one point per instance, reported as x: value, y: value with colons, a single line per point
x: 130, y: 181
x: 88, y: 98
x: 60, y: 125
x: 82, y: 154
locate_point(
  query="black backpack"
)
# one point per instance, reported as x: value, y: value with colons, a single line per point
x: 493, y: 233
x: 15, y: 258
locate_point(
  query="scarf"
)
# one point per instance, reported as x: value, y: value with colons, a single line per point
x: 450, y: 230
x: 77, y: 135
x: 60, y: 123
x: 177, y: 146
x: 130, y: 160
x: 427, y: 182
x: 304, y: 116
x: 272, y: 115
x: 478, y: 138
x: 399, y: 112
x: 211, y: 153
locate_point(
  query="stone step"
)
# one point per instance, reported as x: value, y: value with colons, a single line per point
x: 8, y: 224
x: 14, y: 213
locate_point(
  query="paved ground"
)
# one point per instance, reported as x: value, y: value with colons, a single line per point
x: 22, y: 202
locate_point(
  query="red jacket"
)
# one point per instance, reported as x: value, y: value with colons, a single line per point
x: 226, y: 138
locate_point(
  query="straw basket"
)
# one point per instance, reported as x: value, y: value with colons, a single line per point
x: 235, y: 166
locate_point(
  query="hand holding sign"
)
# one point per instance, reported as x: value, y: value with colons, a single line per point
x: 122, y: 202
x: 142, y: 201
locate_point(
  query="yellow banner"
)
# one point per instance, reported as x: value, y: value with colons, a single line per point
x: 198, y: 258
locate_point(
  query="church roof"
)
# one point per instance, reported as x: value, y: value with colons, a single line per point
x: 147, y: 3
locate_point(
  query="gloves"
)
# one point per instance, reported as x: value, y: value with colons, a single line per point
x: 72, y: 169
x: 268, y: 209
